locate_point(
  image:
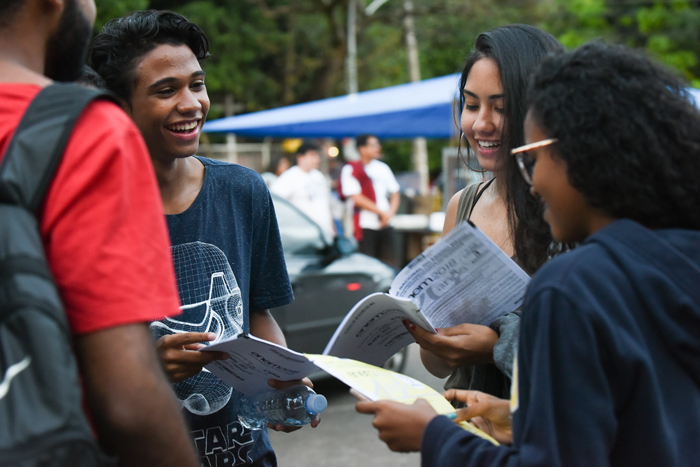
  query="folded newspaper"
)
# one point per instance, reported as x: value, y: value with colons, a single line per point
x: 464, y: 278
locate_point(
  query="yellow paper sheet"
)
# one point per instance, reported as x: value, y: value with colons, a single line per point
x: 376, y: 383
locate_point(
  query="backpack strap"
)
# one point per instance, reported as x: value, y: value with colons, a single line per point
x: 39, y: 141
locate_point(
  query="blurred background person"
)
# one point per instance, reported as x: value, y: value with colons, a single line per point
x: 278, y: 164
x: 371, y: 185
x: 307, y: 188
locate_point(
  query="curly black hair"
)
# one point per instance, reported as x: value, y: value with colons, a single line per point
x: 91, y: 79
x: 517, y: 50
x: 627, y: 130
x: 116, y: 51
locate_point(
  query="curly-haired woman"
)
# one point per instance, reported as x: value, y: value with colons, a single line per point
x: 609, y: 354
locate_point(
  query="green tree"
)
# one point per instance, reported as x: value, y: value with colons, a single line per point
x: 270, y: 53
x: 667, y: 30
x: 108, y: 9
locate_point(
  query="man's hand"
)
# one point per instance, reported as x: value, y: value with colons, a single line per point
x: 462, y: 345
x: 181, y: 356
x: 400, y: 426
x: 488, y: 413
x: 277, y: 384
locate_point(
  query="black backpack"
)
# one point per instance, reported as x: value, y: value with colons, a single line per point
x: 42, y: 422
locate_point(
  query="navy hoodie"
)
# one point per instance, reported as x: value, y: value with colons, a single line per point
x: 608, y: 360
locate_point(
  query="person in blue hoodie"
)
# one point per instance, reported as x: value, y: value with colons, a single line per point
x: 608, y: 366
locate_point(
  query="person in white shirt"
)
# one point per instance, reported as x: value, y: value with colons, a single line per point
x: 374, y: 190
x: 306, y: 187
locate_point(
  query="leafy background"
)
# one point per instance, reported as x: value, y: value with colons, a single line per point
x: 271, y: 53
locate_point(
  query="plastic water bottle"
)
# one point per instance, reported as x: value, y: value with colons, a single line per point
x: 293, y: 406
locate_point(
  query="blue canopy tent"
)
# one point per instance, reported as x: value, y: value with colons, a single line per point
x: 408, y: 110
x: 422, y: 109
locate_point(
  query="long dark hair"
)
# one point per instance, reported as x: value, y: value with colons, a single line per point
x: 516, y: 49
x: 627, y: 131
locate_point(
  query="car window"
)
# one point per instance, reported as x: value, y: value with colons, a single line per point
x: 300, y: 235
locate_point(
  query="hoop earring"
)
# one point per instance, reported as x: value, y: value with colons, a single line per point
x: 459, y: 151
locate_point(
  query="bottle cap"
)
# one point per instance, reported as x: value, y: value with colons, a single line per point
x: 315, y: 403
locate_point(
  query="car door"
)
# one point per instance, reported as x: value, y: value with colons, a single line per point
x: 326, y: 283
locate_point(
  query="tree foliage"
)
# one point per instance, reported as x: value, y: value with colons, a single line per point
x: 667, y: 29
x: 270, y: 53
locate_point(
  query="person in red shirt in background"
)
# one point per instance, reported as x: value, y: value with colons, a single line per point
x: 104, y: 236
x: 371, y: 185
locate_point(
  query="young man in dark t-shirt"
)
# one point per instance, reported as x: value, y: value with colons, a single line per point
x: 226, y: 245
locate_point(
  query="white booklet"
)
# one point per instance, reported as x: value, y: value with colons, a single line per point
x: 253, y: 361
x: 464, y: 278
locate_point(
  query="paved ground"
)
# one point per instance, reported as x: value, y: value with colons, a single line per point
x: 345, y: 437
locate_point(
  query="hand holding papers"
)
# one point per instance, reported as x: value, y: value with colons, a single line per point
x: 464, y: 278
x: 373, y: 383
x: 253, y: 361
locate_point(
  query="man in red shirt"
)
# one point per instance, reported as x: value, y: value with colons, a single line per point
x: 104, y: 235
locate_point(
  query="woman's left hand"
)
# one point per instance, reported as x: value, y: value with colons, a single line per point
x: 462, y: 345
x: 488, y: 413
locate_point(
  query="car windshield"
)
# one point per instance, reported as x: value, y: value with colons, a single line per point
x: 300, y: 235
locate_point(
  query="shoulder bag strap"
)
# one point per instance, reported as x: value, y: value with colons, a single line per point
x: 39, y: 141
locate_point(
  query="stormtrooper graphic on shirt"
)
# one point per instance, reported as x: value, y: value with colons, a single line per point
x: 210, y: 302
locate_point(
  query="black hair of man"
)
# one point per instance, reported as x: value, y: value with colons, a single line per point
x: 306, y: 147
x: 117, y: 50
x: 91, y: 79
x: 363, y: 140
x: 627, y: 130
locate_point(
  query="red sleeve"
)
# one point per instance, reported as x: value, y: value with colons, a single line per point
x: 104, y: 229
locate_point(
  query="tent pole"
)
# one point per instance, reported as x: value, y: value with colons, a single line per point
x: 231, y: 143
x: 420, y: 145
x: 351, y: 65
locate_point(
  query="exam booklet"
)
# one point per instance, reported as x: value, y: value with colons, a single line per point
x: 463, y: 278
x: 254, y: 361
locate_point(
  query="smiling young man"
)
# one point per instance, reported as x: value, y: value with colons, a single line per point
x: 226, y: 246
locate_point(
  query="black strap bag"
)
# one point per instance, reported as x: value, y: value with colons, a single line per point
x: 42, y: 422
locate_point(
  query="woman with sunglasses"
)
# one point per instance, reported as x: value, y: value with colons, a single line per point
x: 492, y: 105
